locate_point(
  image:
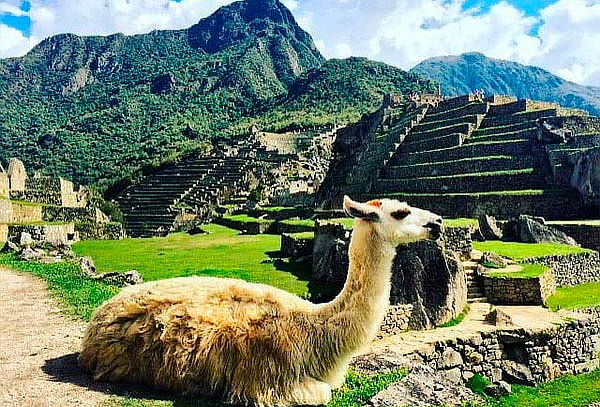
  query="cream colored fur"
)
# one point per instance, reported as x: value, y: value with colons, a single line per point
x: 250, y: 343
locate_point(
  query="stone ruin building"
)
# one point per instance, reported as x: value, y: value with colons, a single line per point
x: 49, y: 209
x: 287, y: 168
x: 469, y: 155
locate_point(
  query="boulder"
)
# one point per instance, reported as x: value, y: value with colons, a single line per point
x: 497, y: 390
x: 493, y: 260
x: 528, y: 229
x: 424, y: 387
x: 517, y: 372
x: 11, y: 247
x: 330, y: 258
x: 30, y: 254
x: 430, y: 278
x: 26, y: 239
x: 499, y: 318
x: 488, y: 228
x: 586, y: 176
x: 87, y: 266
x: 131, y: 277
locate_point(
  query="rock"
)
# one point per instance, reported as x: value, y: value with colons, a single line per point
x: 517, y: 372
x: 26, y: 239
x: 330, y: 259
x: 488, y: 228
x: 11, y: 247
x: 499, y: 318
x: 497, y: 390
x: 450, y: 358
x: 196, y: 230
x: 29, y: 254
x: 493, y: 260
x: 128, y: 278
x: 87, y: 266
x: 452, y: 375
x: 430, y: 278
x: 528, y: 229
x: 586, y: 176
x: 423, y: 387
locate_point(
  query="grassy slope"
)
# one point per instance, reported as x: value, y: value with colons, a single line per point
x: 529, y: 271
x: 580, y: 296
x: 221, y: 253
x: 519, y: 251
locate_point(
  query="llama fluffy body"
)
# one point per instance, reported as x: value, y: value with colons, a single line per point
x: 251, y: 343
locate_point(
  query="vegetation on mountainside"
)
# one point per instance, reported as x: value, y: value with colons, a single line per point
x: 97, y: 109
x: 466, y: 73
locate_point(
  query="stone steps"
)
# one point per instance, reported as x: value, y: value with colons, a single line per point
x: 548, y: 203
x: 462, y: 128
x: 489, y: 131
x: 511, y: 147
x: 471, y: 182
x: 473, y: 119
x: 473, y: 108
x: 451, y: 140
x: 517, y: 118
x: 513, y: 135
x: 478, y: 164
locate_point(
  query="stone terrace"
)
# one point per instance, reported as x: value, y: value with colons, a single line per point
x: 470, y: 155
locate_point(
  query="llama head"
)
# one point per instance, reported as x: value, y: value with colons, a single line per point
x: 396, y: 222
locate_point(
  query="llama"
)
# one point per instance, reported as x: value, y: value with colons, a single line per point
x: 249, y: 343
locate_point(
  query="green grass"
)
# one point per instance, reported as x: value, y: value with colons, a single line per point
x: 223, y: 252
x: 298, y: 222
x: 529, y: 271
x: 579, y: 296
x: 460, y: 223
x: 589, y: 222
x: 567, y: 391
x: 356, y: 392
x: 302, y: 235
x: 274, y: 209
x: 461, y: 160
x: 78, y: 295
x: 520, y: 251
x: 459, y: 318
x: 348, y: 223
x: 524, y: 171
x: 247, y: 219
x: 478, y: 383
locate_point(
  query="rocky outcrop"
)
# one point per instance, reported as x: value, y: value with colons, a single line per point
x: 128, y: 278
x: 488, y: 228
x: 424, y: 387
x: 528, y: 229
x: 430, y: 278
x: 586, y: 176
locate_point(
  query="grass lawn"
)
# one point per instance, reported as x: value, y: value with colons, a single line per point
x: 247, y: 219
x: 299, y: 222
x: 529, y: 271
x: 460, y: 222
x: 459, y: 318
x: 223, y: 252
x: 520, y: 251
x: 579, y: 296
x: 303, y: 235
x: 567, y: 391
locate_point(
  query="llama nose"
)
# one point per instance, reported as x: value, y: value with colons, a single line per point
x: 434, y: 226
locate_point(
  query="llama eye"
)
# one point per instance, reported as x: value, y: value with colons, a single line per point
x: 399, y: 215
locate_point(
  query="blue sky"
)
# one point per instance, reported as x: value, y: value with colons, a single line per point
x: 558, y: 35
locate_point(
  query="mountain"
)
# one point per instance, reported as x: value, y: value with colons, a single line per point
x: 468, y: 72
x: 96, y: 109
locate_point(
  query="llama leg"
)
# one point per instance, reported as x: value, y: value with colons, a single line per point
x: 311, y: 392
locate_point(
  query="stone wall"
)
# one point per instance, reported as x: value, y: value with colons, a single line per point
x: 61, y: 214
x: 397, y: 319
x: 586, y: 235
x: 519, y: 291
x: 516, y: 356
x: 52, y: 234
x: 44, y: 190
x: 294, y: 246
x: 4, y: 184
x: 3, y: 234
x: 100, y: 231
x: 6, y: 211
x: 459, y: 240
x: 572, y: 269
x: 23, y: 213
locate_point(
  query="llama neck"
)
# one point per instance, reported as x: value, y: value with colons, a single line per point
x: 354, y: 316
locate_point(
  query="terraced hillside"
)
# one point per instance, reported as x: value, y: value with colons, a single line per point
x: 469, y: 155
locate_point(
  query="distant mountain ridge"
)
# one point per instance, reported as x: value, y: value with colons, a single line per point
x: 96, y: 109
x: 465, y: 73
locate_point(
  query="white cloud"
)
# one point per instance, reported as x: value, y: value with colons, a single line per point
x: 9, y: 8
x: 13, y: 42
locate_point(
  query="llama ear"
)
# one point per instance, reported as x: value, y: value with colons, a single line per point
x: 361, y: 210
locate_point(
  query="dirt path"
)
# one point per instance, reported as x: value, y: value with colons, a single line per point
x: 37, y: 349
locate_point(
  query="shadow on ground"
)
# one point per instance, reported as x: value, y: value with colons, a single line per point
x: 66, y: 369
